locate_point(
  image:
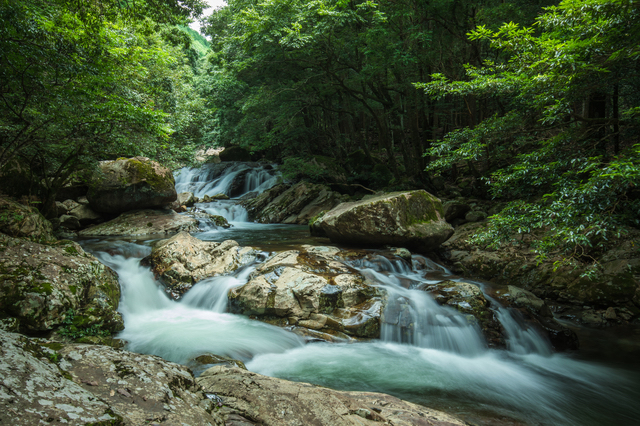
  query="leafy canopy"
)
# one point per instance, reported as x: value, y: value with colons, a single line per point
x: 566, y: 147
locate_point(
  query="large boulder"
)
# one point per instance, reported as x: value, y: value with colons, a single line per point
x: 309, y: 288
x: 143, y: 222
x: 130, y: 184
x: 253, y: 399
x: 48, y: 287
x: 407, y: 219
x: 183, y: 260
x: 43, y: 382
x: 293, y: 205
x: 19, y: 220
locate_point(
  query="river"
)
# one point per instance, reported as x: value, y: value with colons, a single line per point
x: 443, y: 364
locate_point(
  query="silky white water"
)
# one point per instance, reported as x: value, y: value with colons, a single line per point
x: 427, y: 353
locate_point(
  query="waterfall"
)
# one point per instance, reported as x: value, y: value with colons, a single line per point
x: 232, y: 179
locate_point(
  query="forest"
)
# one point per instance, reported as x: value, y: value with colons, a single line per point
x: 534, y: 104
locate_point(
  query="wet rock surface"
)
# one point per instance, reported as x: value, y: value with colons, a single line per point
x: 183, y: 260
x: 311, y: 289
x: 51, y: 383
x: 46, y: 286
x: 252, y: 399
x: 413, y: 219
x: 131, y: 184
x: 143, y: 222
x: 292, y: 205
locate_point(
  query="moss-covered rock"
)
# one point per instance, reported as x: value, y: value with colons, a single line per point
x: 235, y: 153
x: 130, y: 184
x: 412, y: 219
x: 18, y: 220
x: 569, y: 285
x: 56, y: 287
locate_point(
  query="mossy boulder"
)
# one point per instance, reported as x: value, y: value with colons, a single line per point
x: 130, y: 184
x: 413, y: 219
x: 18, y: 220
x: 310, y: 288
x: 48, y: 287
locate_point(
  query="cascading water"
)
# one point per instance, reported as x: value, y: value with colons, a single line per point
x: 427, y: 353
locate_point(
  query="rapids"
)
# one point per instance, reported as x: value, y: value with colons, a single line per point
x: 441, y: 361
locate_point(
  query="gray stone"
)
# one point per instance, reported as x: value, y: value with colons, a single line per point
x: 183, y: 260
x: 144, y: 222
x: 43, y: 382
x: 275, y: 402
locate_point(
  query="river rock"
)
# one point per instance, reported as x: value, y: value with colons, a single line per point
x: 251, y: 399
x: 407, y: 219
x: 131, y: 184
x: 19, y: 220
x: 186, y: 199
x: 143, y: 222
x: 183, y: 260
x: 310, y: 288
x: 52, y: 383
x: 293, y: 205
x: 48, y: 286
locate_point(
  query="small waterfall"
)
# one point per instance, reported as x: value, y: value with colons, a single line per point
x: 197, y: 324
x: 231, y: 179
x: 522, y: 339
x: 412, y: 316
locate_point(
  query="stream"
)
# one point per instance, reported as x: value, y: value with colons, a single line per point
x: 443, y: 363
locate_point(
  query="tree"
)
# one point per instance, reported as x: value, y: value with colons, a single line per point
x: 334, y: 76
x: 565, y: 149
x: 75, y: 87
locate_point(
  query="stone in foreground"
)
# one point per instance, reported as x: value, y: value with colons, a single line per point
x: 131, y: 184
x: 406, y: 219
x: 44, y: 382
x: 41, y: 284
x: 252, y: 399
x: 143, y: 222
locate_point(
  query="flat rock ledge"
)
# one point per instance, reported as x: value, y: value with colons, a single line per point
x: 252, y: 399
x: 143, y: 222
x: 43, y: 382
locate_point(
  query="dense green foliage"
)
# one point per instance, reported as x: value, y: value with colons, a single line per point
x: 532, y: 103
x: 77, y: 87
x: 565, y: 147
x: 332, y: 77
